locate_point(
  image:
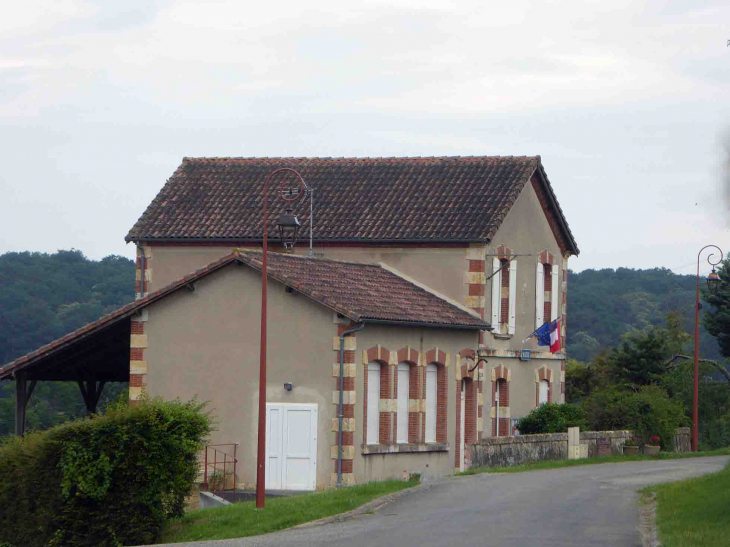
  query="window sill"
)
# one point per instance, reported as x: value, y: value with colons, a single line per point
x: 404, y: 448
x: 500, y: 336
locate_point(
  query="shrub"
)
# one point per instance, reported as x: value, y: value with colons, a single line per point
x: 648, y: 413
x: 108, y: 480
x: 552, y: 418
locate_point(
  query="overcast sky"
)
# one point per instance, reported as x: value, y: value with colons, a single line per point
x: 627, y: 102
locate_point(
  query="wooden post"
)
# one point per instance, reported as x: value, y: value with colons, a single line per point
x: 23, y: 391
x: 91, y: 392
x: 20, y: 400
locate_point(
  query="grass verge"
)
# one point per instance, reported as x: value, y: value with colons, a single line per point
x: 243, y: 519
x: 693, y: 512
x: 555, y: 464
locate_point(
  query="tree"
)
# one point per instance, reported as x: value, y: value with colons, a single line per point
x: 642, y: 357
x: 717, y: 319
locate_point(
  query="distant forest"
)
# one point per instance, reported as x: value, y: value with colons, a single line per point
x: 48, y: 295
x: 605, y: 304
x: 45, y: 296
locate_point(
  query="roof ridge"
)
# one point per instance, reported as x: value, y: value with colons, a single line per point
x: 353, y: 158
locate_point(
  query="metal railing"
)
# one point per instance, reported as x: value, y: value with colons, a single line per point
x: 218, y: 465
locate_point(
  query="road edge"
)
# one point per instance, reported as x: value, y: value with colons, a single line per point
x: 370, y: 507
x: 647, y: 521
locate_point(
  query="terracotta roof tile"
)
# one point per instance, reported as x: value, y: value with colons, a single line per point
x: 459, y: 199
x: 365, y: 292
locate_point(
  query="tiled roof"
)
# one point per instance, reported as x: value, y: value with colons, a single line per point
x: 365, y: 292
x: 362, y: 292
x: 448, y: 199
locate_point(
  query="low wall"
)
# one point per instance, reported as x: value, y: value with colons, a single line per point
x: 507, y: 451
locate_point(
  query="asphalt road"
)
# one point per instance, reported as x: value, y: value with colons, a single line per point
x: 595, y: 505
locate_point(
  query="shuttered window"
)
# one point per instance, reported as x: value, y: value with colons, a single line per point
x: 404, y: 378
x: 539, y: 296
x: 431, y: 402
x: 373, y: 408
x: 544, y: 389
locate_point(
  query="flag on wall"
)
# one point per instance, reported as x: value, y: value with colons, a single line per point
x: 555, y: 344
x: 548, y: 335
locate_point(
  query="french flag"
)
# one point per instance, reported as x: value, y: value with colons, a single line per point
x: 555, y: 341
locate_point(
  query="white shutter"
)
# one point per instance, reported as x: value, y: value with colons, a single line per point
x: 496, y: 293
x: 555, y: 295
x: 404, y: 377
x: 512, y: 297
x: 274, y: 428
x: 373, y: 403
x: 539, y: 296
x: 543, y: 392
x: 431, y: 402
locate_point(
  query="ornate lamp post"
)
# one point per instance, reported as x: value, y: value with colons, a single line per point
x: 713, y: 280
x: 288, y: 230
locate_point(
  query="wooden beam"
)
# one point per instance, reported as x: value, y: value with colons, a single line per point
x: 20, y: 401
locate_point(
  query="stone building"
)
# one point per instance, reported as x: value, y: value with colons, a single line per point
x: 447, y: 265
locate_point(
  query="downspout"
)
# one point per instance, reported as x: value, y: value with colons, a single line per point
x: 340, y: 415
x: 143, y: 267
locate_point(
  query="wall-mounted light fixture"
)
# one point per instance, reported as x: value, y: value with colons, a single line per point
x: 288, y: 386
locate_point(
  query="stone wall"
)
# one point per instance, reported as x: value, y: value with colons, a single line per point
x: 507, y: 451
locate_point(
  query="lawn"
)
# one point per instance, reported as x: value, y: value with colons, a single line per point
x: 555, y: 464
x: 694, y: 512
x: 243, y: 519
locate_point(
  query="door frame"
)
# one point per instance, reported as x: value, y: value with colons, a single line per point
x: 285, y: 408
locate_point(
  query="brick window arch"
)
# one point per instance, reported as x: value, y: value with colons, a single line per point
x: 436, y: 401
x: 547, y: 289
x: 543, y: 385
x: 501, y: 377
x: 410, y: 356
x: 376, y: 426
x: 405, y: 387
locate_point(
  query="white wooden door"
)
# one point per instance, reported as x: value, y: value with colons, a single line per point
x: 291, y: 447
x: 462, y: 426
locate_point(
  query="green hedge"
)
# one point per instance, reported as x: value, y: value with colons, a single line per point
x: 647, y: 412
x: 106, y: 481
x: 552, y: 418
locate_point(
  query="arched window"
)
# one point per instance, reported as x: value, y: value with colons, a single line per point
x: 373, y: 404
x: 544, y: 391
x: 404, y: 382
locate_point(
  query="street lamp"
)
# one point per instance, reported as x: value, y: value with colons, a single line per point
x: 713, y: 280
x: 289, y: 227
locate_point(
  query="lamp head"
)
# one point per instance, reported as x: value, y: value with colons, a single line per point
x: 288, y: 224
x: 713, y: 281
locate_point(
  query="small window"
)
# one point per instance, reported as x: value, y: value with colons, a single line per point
x: 404, y: 381
x: 544, y: 390
x: 431, y: 402
x: 373, y: 408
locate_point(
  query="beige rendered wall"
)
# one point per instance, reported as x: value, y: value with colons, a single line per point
x: 441, y: 268
x: 206, y: 344
x: 525, y: 230
x: 373, y: 467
